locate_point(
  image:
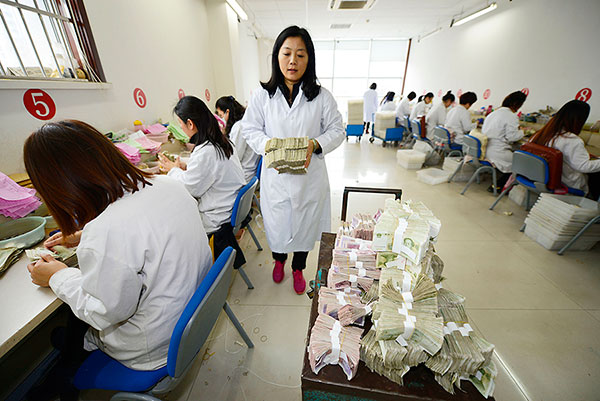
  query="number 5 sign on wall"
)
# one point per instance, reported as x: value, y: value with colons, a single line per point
x: 39, y: 104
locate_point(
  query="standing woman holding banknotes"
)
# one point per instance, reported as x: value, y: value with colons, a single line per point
x: 296, y: 207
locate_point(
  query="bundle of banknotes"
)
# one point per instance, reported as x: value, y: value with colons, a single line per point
x: 287, y: 155
x: 8, y: 256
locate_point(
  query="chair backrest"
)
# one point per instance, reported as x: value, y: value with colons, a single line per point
x: 415, y: 128
x: 258, y: 168
x: 200, y: 315
x: 553, y: 157
x: 242, y: 204
x: 441, y: 135
x: 471, y: 147
x: 530, y: 166
x: 403, y: 121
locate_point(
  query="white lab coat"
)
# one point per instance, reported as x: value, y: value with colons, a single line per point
x: 403, y: 109
x: 296, y: 208
x: 418, y: 110
x: 214, y: 181
x: 576, y: 160
x: 140, y: 261
x: 370, y: 104
x: 248, y: 158
x: 388, y: 106
x: 501, y: 128
x: 436, y: 116
x: 458, y: 122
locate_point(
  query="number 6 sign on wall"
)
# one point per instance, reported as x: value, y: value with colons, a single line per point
x: 39, y: 104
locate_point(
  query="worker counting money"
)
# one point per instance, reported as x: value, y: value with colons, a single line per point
x: 296, y: 205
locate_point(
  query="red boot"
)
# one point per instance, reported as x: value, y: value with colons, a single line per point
x: 278, y: 273
x: 299, y: 283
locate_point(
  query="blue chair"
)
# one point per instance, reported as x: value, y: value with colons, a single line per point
x: 99, y: 371
x: 443, y: 140
x: 258, y: 172
x: 472, y: 147
x: 241, y: 210
x: 532, y: 173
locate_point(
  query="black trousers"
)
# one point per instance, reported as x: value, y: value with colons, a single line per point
x: 299, y: 261
x: 224, y: 237
x: 59, y: 380
x: 594, y: 185
x: 366, y: 123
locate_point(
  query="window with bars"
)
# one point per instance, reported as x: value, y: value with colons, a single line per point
x: 47, y: 39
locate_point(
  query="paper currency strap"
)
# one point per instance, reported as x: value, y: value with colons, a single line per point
x: 453, y: 326
x: 334, y: 334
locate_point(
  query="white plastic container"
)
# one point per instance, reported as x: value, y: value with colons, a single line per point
x: 433, y: 176
x: 555, y: 242
x: 410, y: 159
x: 452, y: 163
x: 355, y: 112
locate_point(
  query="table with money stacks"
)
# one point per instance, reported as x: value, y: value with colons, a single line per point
x: 382, y: 326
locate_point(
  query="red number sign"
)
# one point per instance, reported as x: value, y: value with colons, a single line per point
x: 139, y: 97
x: 180, y: 93
x: 486, y: 94
x: 585, y: 94
x: 440, y: 93
x: 39, y: 104
x: 459, y: 93
x: 525, y: 91
x: 207, y: 95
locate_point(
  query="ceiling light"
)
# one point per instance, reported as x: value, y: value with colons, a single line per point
x: 429, y: 34
x: 340, y: 26
x: 238, y: 9
x: 477, y: 14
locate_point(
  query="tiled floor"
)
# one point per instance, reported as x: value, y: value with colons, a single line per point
x: 541, y: 310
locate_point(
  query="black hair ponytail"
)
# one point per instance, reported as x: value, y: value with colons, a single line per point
x: 236, y: 111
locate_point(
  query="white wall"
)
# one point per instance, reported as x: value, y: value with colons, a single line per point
x: 151, y: 44
x: 248, y: 62
x: 265, y: 48
x: 548, y: 46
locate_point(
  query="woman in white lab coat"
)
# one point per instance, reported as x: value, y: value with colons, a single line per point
x: 140, y: 242
x: 502, y: 130
x: 458, y: 120
x: 422, y: 107
x: 403, y: 109
x: 232, y: 112
x: 295, y: 207
x: 437, y: 115
x: 387, y: 103
x: 562, y: 133
x: 213, y: 174
x: 369, y: 106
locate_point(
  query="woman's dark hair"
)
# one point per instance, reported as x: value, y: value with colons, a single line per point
x: 429, y: 95
x: 411, y: 95
x: 389, y: 97
x: 420, y: 99
x: 78, y: 172
x: 448, y: 96
x: 310, y: 87
x: 236, y: 111
x: 468, y: 98
x: 194, y: 109
x: 570, y: 118
x: 514, y: 101
x: 373, y: 86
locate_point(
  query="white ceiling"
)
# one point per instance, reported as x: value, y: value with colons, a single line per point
x: 386, y: 19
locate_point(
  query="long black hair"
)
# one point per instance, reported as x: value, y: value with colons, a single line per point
x: 389, y: 97
x: 236, y: 111
x: 570, y: 118
x: 194, y: 109
x: 310, y: 86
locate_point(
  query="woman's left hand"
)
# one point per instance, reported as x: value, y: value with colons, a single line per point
x: 167, y: 165
x: 43, y: 269
x: 311, y: 149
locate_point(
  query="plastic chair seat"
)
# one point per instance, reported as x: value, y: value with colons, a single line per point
x: 485, y: 163
x: 525, y: 181
x: 102, y: 372
x: 575, y: 191
x: 455, y: 146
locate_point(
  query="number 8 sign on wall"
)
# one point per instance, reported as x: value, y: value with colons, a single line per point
x: 39, y: 104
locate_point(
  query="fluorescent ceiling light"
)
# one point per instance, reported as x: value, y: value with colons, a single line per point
x: 429, y: 34
x: 477, y: 14
x: 238, y: 9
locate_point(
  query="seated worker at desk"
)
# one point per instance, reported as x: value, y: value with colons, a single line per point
x: 422, y: 107
x: 387, y: 103
x: 502, y: 130
x: 231, y: 111
x: 562, y: 133
x: 213, y: 176
x: 437, y: 115
x: 458, y: 121
x: 403, y: 109
x: 140, y: 242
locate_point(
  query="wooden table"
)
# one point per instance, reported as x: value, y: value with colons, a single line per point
x: 24, y: 304
x: 331, y: 382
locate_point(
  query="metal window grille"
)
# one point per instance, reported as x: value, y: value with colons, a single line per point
x: 48, y: 40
